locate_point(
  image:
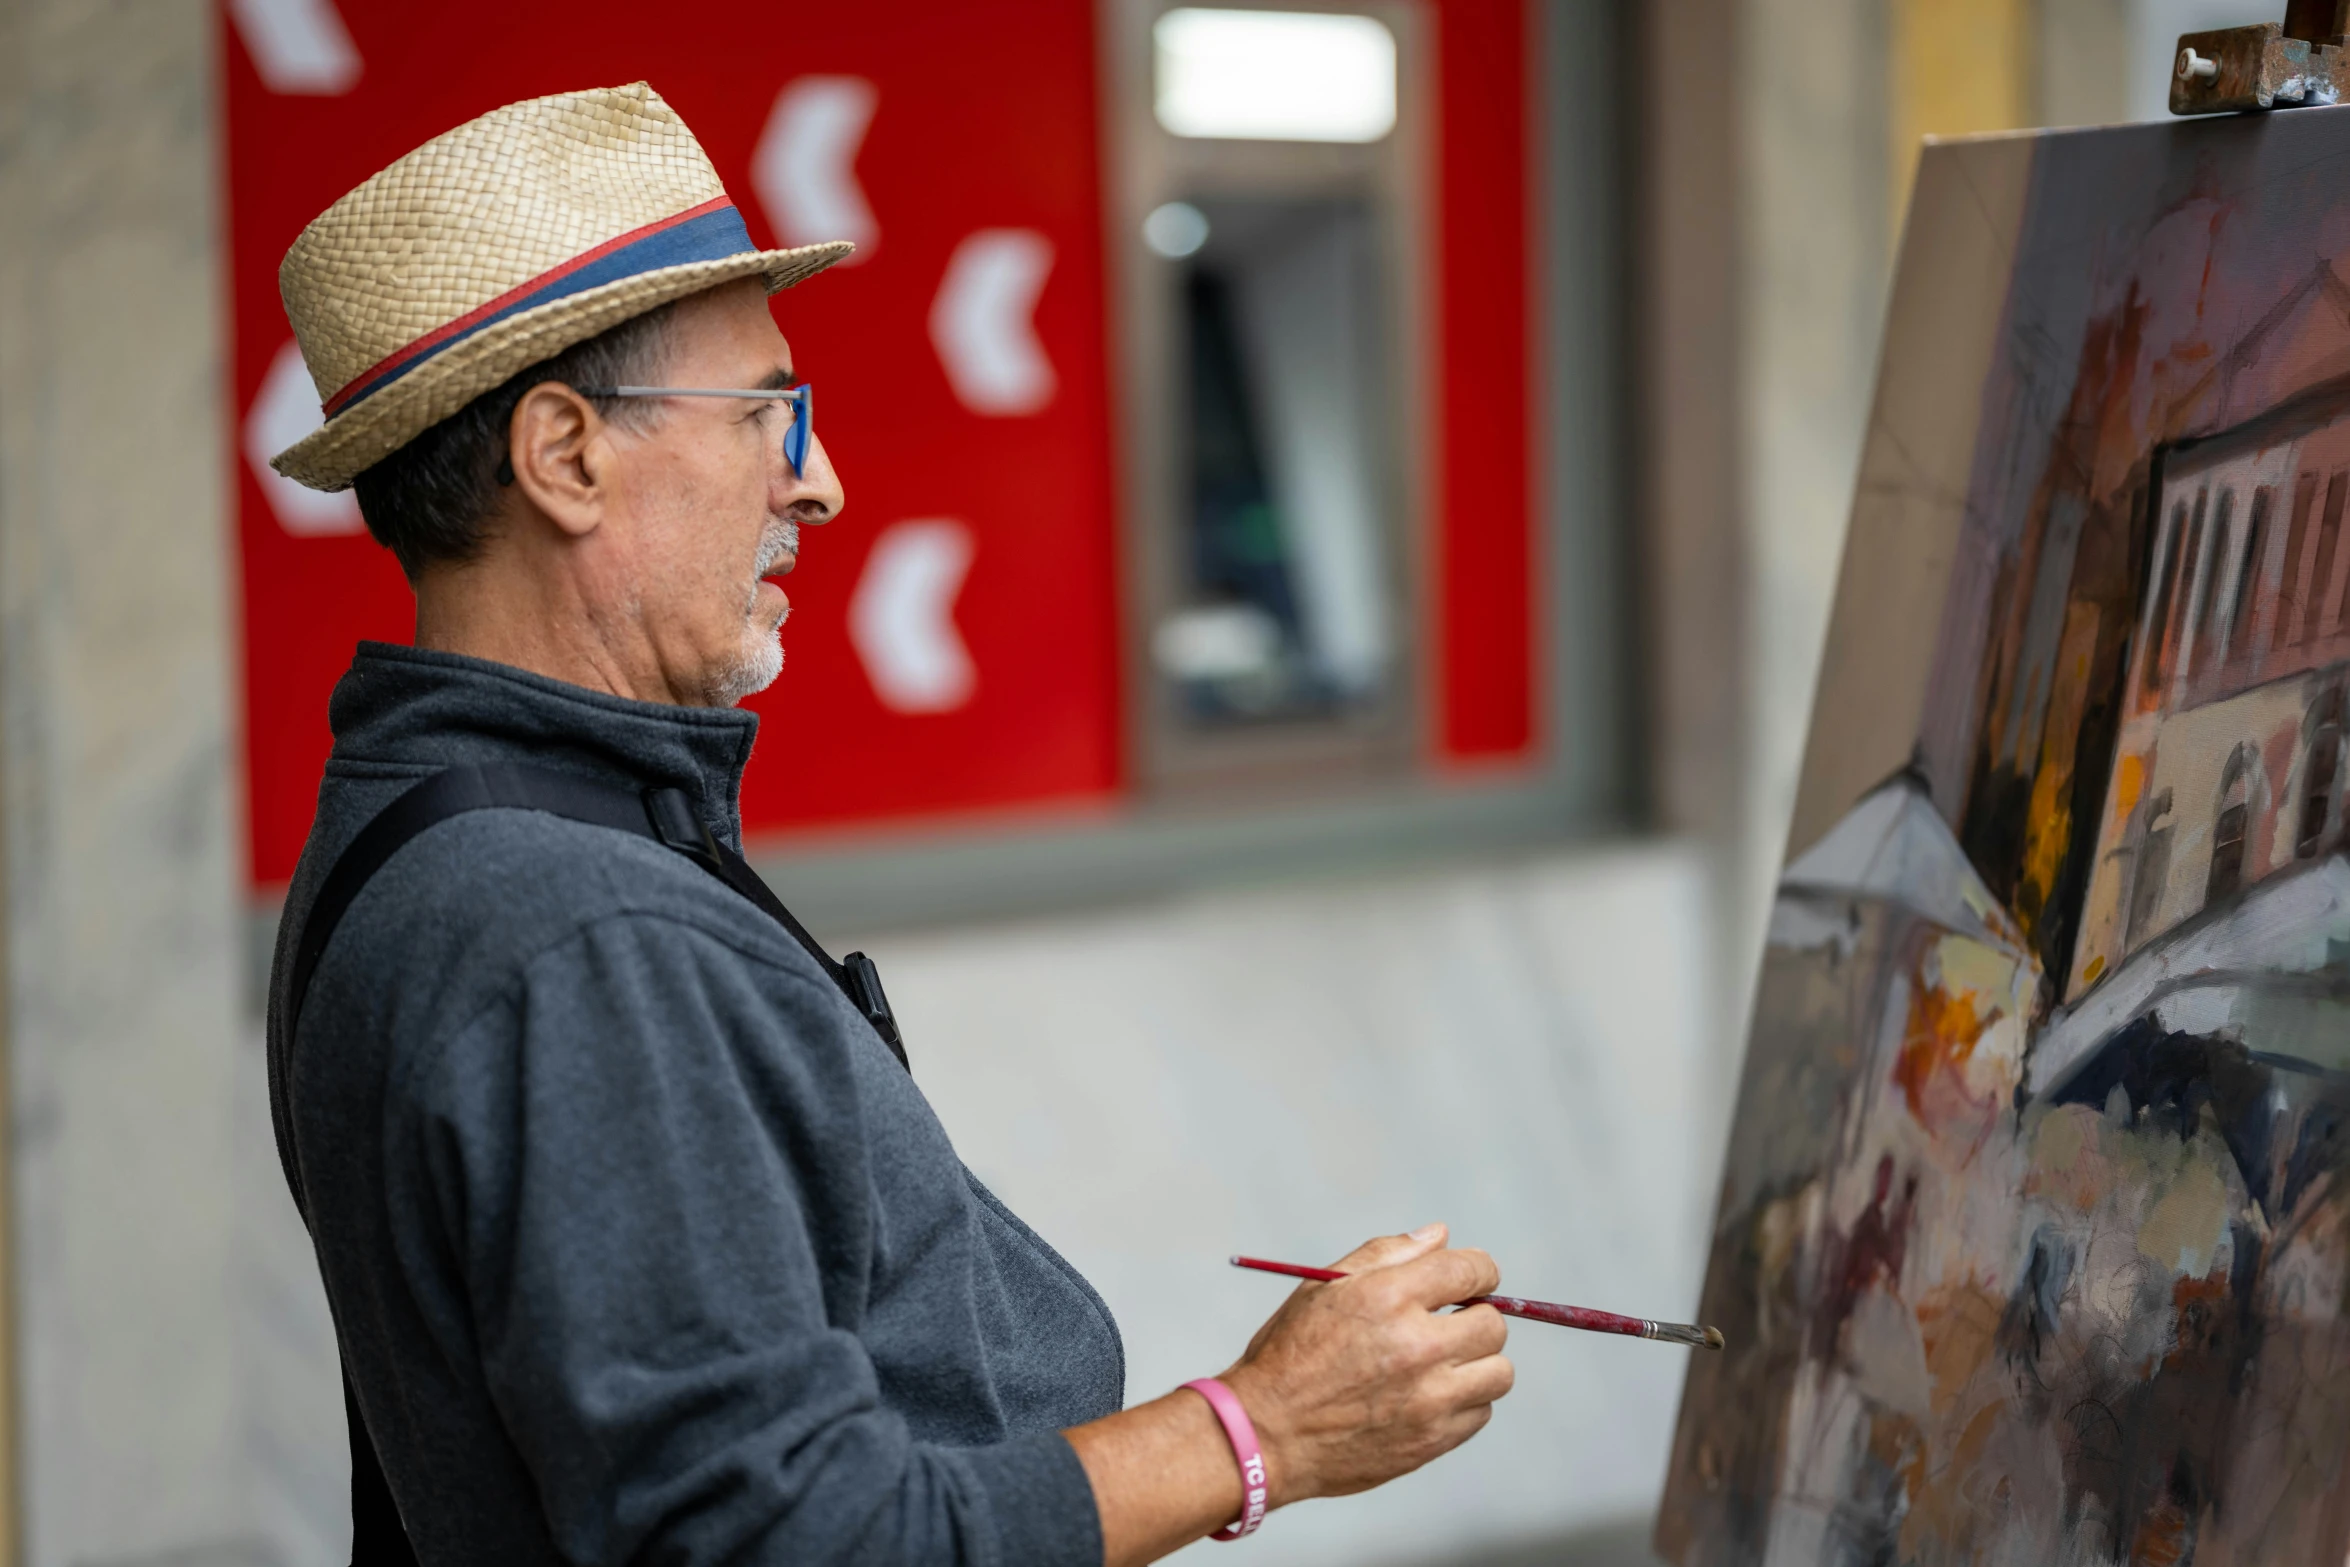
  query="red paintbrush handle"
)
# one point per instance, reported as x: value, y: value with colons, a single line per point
x: 1565, y: 1316
x: 1296, y: 1270
x: 1583, y: 1317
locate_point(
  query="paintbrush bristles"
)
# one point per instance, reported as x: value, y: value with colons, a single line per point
x: 1686, y: 1334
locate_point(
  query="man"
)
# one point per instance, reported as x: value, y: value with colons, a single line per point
x: 641, y: 1241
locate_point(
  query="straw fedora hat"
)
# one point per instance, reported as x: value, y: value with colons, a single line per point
x: 490, y: 248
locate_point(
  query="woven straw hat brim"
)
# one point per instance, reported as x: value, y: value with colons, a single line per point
x: 363, y: 435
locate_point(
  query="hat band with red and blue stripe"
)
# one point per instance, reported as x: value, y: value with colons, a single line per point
x: 710, y: 232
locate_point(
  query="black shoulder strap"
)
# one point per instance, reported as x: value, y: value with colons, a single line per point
x: 668, y: 817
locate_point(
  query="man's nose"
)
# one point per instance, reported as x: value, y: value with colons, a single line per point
x: 814, y: 495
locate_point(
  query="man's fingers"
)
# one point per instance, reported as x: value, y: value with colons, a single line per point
x: 1479, y: 1381
x: 1444, y: 1277
x: 1461, y: 1425
x: 1389, y: 1250
x: 1473, y: 1333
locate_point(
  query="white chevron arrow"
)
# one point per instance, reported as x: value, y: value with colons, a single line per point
x: 300, y: 47
x: 901, y: 617
x: 981, y: 322
x: 283, y: 411
x: 804, y: 167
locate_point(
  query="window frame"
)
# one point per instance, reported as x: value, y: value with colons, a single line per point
x: 1147, y: 166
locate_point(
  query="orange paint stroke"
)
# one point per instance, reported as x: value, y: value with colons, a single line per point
x: 2165, y: 1535
x: 2129, y: 784
x: 2199, y: 1309
x: 1936, y: 1043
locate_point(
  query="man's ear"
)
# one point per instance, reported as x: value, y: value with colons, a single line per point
x: 557, y: 450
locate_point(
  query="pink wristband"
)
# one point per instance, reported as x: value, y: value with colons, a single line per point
x: 1243, y: 1438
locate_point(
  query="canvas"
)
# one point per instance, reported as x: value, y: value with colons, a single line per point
x: 2034, y: 1232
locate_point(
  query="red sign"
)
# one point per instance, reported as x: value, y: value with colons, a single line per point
x: 955, y: 643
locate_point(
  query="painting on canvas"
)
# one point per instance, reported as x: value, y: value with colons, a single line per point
x: 2034, y: 1234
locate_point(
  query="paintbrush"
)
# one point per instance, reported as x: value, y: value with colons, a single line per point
x: 1534, y: 1310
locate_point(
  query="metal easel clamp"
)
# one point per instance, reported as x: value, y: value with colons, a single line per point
x: 2304, y: 60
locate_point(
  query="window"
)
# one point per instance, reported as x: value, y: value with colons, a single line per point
x: 2289, y: 594
x: 2200, y: 646
x: 2172, y: 622
x: 2321, y: 770
x: 1279, y: 463
x: 2228, y: 829
x: 2248, y: 572
x: 2150, y: 875
x: 2321, y: 577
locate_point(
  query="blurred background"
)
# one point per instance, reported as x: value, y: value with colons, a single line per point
x: 1304, y: 702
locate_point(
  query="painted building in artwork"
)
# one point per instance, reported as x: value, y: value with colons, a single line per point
x: 2032, y: 1244
x: 2229, y: 765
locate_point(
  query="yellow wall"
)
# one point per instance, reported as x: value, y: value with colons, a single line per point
x: 1956, y: 66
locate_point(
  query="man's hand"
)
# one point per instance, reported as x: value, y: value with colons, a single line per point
x: 1365, y: 1378
x: 1350, y: 1384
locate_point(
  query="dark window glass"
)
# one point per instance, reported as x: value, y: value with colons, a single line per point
x: 2289, y: 593
x: 2200, y: 645
x: 2328, y: 541
x: 2170, y: 639
x: 2227, y: 854
x: 2318, y: 777
x: 1237, y: 555
x: 2248, y: 570
x: 1282, y: 611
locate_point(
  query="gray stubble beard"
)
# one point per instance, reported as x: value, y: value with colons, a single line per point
x: 761, y: 658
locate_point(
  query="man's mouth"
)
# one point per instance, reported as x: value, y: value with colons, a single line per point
x: 779, y: 550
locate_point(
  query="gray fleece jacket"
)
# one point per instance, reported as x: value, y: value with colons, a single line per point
x: 640, y: 1244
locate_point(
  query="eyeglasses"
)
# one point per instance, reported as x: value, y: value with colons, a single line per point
x: 801, y: 397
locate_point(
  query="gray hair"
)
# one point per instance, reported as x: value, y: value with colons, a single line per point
x: 428, y: 502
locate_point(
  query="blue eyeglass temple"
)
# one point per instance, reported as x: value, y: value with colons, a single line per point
x: 795, y: 440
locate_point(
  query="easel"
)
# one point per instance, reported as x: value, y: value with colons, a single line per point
x: 2304, y: 60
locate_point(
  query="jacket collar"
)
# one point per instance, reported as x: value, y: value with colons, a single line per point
x: 413, y: 708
